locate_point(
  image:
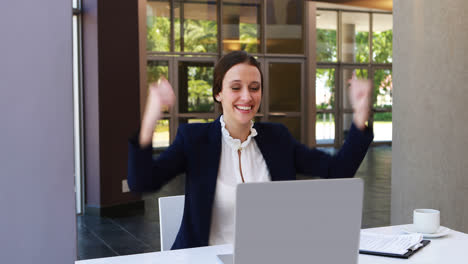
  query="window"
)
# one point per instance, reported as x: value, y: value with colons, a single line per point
x: 158, y: 23
x: 195, y: 25
x: 355, y: 37
x: 241, y: 25
x: 284, y: 27
x: 325, y: 98
x: 348, y: 42
x: 382, y: 35
x: 185, y: 38
x: 326, y: 35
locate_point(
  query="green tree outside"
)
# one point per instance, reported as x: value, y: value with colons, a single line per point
x: 200, y: 84
x: 158, y: 34
x: 249, y: 37
x: 329, y: 76
x: 382, y: 45
x: 326, y: 45
x: 199, y: 35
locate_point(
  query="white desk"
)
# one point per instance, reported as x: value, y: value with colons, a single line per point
x: 451, y: 249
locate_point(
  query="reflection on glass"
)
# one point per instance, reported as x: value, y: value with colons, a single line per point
x: 326, y: 35
x: 158, y: 23
x: 161, y: 134
x: 241, y: 25
x: 194, y: 120
x: 355, y: 37
x: 325, y: 128
x: 284, y: 29
x: 347, y: 121
x: 156, y: 70
x: 292, y: 123
x: 383, y: 88
x: 200, y: 30
x: 347, y: 75
x: 75, y: 3
x: 285, y: 87
x: 382, y: 37
x: 383, y: 126
x: 195, y: 87
x: 325, y: 88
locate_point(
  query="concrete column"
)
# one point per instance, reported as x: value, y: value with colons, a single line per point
x: 430, y: 124
x: 37, y: 199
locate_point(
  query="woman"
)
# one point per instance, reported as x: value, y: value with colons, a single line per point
x: 219, y: 155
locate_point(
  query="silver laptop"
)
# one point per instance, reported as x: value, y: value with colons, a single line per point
x: 307, y: 221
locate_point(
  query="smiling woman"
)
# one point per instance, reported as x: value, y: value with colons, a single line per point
x: 238, y: 87
x: 219, y: 155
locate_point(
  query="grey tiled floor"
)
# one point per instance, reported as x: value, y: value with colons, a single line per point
x: 106, y: 237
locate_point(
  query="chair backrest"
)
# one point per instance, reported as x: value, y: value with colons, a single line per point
x: 171, y: 209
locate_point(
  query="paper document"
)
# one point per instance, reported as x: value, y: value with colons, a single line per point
x: 395, y: 244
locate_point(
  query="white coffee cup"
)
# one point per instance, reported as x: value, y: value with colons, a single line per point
x: 426, y: 220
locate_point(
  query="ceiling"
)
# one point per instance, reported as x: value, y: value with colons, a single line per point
x: 386, y: 5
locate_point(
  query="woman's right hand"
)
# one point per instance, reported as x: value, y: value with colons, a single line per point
x: 160, y: 94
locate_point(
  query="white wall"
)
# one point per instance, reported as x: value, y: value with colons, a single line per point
x: 37, y: 220
x: 430, y: 117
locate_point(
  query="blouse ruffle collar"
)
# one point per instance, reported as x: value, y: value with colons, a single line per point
x: 235, y: 143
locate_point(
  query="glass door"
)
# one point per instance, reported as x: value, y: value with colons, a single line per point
x: 284, y: 98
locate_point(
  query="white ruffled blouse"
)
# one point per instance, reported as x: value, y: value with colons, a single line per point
x: 254, y: 169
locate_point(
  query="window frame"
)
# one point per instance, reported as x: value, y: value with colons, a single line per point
x: 173, y: 57
x: 340, y: 66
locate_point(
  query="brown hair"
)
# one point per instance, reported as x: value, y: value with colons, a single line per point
x: 227, y: 62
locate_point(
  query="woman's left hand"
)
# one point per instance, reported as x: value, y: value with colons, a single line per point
x: 360, y: 97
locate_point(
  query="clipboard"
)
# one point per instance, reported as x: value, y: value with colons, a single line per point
x: 408, y: 254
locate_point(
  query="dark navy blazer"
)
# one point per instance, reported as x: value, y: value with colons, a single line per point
x: 196, y: 151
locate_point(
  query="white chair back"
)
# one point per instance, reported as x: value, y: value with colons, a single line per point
x: 171, y: 209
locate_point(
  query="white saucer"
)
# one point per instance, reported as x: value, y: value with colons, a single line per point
x: 443, y: 231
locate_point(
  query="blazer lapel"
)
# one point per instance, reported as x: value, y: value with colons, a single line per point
x: 212, y: 155
x: 270, y: 154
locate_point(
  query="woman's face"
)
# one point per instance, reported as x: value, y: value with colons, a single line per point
x: 240, y: 94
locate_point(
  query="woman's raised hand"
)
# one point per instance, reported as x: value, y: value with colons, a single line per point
x: 160, y: 94
x: 360, y: 97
